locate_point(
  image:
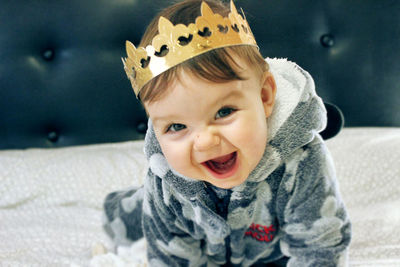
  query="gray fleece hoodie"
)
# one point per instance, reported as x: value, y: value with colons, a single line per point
x: 289, y: 205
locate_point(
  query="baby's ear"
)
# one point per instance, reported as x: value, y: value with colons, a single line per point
x: 268, y: 92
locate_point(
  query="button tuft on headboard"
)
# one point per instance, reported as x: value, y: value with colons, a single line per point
x: 141, y: 127
x: 48, y: 54
x: 53, y: 136
x: 327, y: 40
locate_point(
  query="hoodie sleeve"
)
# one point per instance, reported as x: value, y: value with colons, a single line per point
x: 168, y: 234
x: 316, y: 228
x: 123, y: 215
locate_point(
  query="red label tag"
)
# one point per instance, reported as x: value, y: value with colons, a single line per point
x: 261, y: 232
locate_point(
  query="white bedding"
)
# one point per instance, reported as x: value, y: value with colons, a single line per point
x: 51, y: 199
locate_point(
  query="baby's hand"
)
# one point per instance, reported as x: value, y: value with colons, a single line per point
x: 132, y: 256
x: 98, y: 249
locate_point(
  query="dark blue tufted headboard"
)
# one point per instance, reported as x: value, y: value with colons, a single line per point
x: 62, y: 81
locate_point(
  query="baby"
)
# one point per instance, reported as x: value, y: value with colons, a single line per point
x: 238, y: 173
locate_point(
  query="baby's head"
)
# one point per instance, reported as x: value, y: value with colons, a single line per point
x: 209, y: 112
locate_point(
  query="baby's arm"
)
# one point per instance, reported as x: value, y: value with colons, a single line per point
x: 167, y: 231
x: 316, y: 227
x: 123, y: 216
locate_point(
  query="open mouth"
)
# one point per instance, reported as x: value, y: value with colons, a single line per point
x: 222, y: 167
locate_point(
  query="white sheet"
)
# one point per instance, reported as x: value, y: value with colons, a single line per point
x: 50, y: 199
x: 368, y: 169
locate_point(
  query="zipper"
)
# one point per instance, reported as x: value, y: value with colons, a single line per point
x: 221, y: 206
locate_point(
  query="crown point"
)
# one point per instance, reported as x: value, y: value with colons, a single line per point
x: 233, y: 7
x: 130, y: 49
x: 162, y: 19
x: 164, y: 25
x: 206, y: 9
x: 130, y: 45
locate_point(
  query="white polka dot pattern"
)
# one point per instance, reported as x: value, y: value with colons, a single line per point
x: 50, y: 199
x: 368, y: 169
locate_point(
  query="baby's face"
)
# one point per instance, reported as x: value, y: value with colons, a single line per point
x: 214, y: 132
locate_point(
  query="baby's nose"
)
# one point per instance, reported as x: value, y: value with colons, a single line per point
x: 206, y: 140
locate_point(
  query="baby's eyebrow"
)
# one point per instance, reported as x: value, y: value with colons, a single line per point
x: 234, y: 94
x: 157, y: 120
x: 231, y: 95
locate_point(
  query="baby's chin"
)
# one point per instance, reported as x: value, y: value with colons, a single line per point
x: 226, y: 183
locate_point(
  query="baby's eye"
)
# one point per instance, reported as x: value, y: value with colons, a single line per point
x: 175, y: 127
x: 224, y: 112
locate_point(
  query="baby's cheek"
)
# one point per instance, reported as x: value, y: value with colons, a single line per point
x: 179, y: 159
x: 253, y: 131
x: 174, y: 158
x: 171, y: 153
x: 254, y: 138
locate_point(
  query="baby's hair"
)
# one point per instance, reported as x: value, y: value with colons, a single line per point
x: 217, y: 65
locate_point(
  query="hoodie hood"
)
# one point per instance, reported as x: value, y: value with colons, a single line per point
x: 298, y: 115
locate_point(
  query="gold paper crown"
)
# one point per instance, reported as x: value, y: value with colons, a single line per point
x: 177, y: 43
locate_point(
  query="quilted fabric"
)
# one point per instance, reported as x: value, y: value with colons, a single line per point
x: 50, y: 200
x: 368, y: 167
